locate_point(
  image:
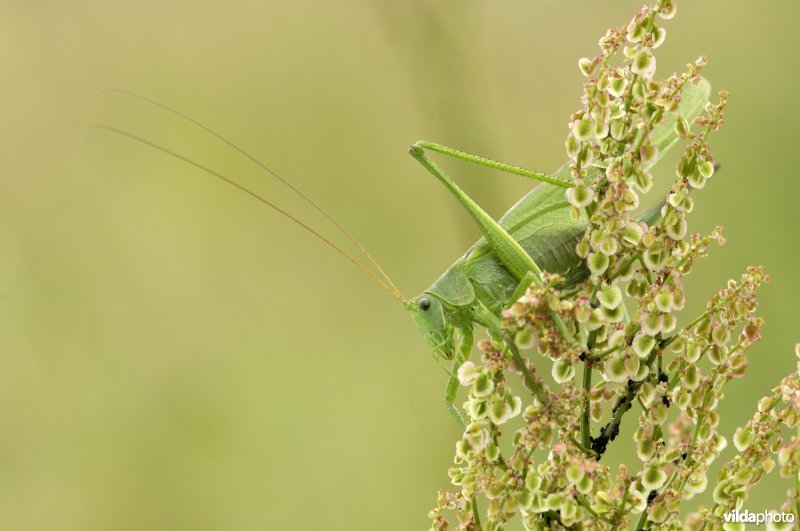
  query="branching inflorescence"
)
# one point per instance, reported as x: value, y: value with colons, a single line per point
x: 624, y: 328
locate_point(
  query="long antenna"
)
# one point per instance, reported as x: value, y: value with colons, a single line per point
x: 263, y: 166
x: 390, y: 288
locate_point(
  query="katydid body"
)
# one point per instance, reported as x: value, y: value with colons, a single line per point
x: 537, y: 234
x: 547, y: 235
x: 479, y: 285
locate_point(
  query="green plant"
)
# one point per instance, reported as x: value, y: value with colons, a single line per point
x: 621, y: 324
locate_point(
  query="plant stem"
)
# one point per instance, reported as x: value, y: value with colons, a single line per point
x: 587, y: 387
x: 476, y: 514
x: 625, y: 265
x: 585, y: 503
x: 642, y: 521
x: 609, y: 431
x: 602, y: 354
x: 583, y: 448
x: 621, y: 511
x: 530, y: 382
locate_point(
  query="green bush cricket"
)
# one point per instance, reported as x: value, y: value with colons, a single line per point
x: 537, y: 234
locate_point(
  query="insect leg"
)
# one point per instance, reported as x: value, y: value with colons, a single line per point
x: 489, y: 163
x: 507, y: 249
x: 464, y: 349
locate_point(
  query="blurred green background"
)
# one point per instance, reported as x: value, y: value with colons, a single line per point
x: 173, y: 355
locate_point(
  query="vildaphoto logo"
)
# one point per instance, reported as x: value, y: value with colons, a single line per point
x: 746, y: 517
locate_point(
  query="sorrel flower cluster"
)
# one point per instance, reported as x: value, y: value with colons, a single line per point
x: 623, y: 326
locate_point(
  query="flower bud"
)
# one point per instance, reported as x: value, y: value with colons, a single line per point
x: 742, y: 439
x: 677, y: 230
x: 668, y: 322
x: 525, y: 499
x: 664, y: 301
x: 574, y: 473
x: 580, y: 196
x: 717, y: 355
x: 583, y: 248
x: 499, y: 411
x: 653, y: 478
x: 477, y: 409
x: 659, y: 35
x: 582, y: 129
x: 690, y: 377
x: 635, y: 31
x: 600, y: 129
x: 615, y: 315
x: 573, y: 147
x: 706, y: 169
x: 643, y: 344
x: 468, y: 372
x: 720, y: 494
x: 477, y: 435
x: 569, y: 512
x: 644, y: 181
x: 631, y: 200
x: 483, y: 386
x: 685, y: 167
x: 667, y: 9
x: 682, y: 128
x: 644, y: 64
x: 743, y: 476
x: 533, y: 482
x: 595, y: 320
x: 516, y: 405
x: 655, y: 259
x: 617, y: 86
x: 642, y: 373
x: 647, y: 393
x: 598, y: 263
x: 658, y: 413
x: 650, y: 323
x: 617, y: 129
x: 682, y: 399
x: 563, y: 372
x: 586, y: 66
x: 609, y: 245
x: 648, y: 154
x: 696, y: 483
x: 609, y: 296
x: 525, y: 339
x: 678, y: 345
x: 646, y: 448
x: 492, y: 452
x: 614, y: 370
x: 632, y: 366
x: 462, y: 449
x: 703, y: 328
x: 720, y: 335
x: 697, y: 180
x: 554, y: 501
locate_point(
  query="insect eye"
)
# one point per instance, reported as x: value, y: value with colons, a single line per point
x: 424, y: 303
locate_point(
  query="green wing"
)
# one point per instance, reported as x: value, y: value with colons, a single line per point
x: 541, y: 223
